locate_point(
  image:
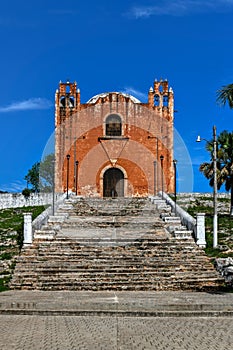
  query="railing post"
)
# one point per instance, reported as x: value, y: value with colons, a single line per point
x: 200, y: 230
x: 27, y: 228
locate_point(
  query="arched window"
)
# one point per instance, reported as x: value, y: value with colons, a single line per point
x: 165, y: 100
x: 62, y: 101
x: 156, y: 100
x: 113, y: 125
x: 71, y: 102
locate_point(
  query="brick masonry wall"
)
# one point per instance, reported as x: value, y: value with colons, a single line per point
x: 149, y: 132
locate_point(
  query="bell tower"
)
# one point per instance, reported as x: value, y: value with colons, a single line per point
x: 161, y: 98
x: 67, y: 100
x: 67, y: 103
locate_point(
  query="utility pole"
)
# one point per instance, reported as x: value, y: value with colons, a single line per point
x: 215, y: 221
x: 215, y: 189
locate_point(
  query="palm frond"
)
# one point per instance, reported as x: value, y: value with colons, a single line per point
x: 225, y: 95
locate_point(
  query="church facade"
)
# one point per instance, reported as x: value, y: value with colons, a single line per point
x: 114, y: 145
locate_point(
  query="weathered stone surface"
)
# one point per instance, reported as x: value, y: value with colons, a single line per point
x: 186, y: 200
x: 225, y: 268
x: 113, y: 244
x: 39, y: 320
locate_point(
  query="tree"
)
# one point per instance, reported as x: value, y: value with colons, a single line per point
x: 41, y: 175
x: 26, y: 192
x: 47, y: 173
x: 224, y: 163
x: 225, y: 95
x: 33, y: 177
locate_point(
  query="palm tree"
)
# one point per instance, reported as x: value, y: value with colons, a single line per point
x: 224, y: 163
x: 225, y: 94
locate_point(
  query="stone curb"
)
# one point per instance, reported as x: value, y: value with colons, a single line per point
x: 117, y: 313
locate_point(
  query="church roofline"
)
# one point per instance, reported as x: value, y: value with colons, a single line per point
x: 104, y: 94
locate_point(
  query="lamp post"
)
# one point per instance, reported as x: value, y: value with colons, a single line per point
x: 161, y: 160
x: 76, y: 177
x: 175, y: 173
x: 67, y: 176
x: 215, y: 188
x: 155, y: 177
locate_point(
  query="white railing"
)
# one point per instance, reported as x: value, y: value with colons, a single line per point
x: 196, y: 225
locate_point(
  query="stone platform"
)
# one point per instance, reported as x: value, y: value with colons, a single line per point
x: 120, y: 244
x: 67, y: 320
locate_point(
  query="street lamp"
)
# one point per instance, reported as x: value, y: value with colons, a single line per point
x: 76, y: 177
x: 161, y: 160
x: 175, y: 163
x: 215, y: 189
x: 155, y: 163
x: 67, y: 176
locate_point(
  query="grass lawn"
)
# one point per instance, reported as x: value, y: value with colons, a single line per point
x: 11, y: 239
x: 225, y: 228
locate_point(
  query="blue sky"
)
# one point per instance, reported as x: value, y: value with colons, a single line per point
x: 111, y: 46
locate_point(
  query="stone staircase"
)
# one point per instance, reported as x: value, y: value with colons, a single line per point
x: 114, y: 244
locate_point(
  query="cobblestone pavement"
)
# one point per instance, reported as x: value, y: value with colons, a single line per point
x: 114, y: 333
x: 20, y: 329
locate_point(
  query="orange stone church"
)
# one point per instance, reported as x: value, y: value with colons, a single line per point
x: 114, y: 145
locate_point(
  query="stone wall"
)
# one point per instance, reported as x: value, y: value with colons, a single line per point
x: 14, y: 200
x: 225, y: 267
x: 43, y: 217
x: 186, y: 200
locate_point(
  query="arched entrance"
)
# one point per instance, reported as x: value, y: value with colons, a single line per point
x: 113, y: 183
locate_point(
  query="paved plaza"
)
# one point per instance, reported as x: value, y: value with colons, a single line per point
x: 123, y: 320
x: 125, y: 333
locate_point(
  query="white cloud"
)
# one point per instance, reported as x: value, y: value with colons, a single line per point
x: 136, y: 93
x: 181, y: 8
x: 16, y: 186
x: 30, y: 104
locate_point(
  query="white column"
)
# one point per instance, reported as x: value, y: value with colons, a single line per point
x: 27, y: 228
x: 201, y: 242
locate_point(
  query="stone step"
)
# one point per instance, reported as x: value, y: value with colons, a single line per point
x: 131, y: 253
x: 127, y: 254
x: 172, y: 219
x: 44, y: 234
x: 155, y: 285
x: 67, y: 275
x: 115, y: 251
x: 113, y: 244
x: 182, y: 233
x: 131, y: 219
x: 115, y: 274
x: 118, y: 245
x: 57, y: 218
